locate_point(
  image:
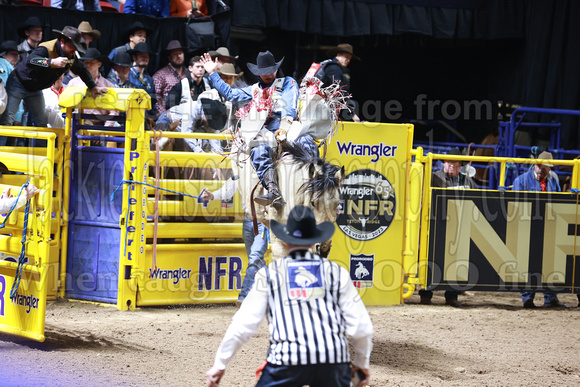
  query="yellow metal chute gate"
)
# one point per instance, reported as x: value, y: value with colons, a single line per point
x: 23, y: 314
x: 498, y: 240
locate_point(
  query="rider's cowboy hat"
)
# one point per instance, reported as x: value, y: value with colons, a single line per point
x: 229, y: 70
x: 343, y: 48
x: 215, y: 113
x: 73, y: 36
x: 31, y: 21
x: 301, y: 228
x: 94, y: 54
x: 265, y: 64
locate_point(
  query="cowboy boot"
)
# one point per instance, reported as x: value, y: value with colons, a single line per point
x: 273, y: 196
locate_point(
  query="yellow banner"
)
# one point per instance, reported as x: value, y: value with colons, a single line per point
x: 369, y: 238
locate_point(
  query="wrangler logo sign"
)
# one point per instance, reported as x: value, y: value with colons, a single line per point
x: 511, y: 240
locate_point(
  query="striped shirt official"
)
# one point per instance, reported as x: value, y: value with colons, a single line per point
x: 305, y: 329
x: 311, y: 305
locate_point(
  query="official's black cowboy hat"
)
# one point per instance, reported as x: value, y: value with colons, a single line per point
x: 131, y: 30
x: 73, y: 36
x: 94, y: 54
x: 31, y: 21
x: 343, y: 48
x: 7, y: 46
x: 265, y: 64
x: 215, y: 113
x: 175, y: 45
x: 123, y: 59
x: 301, y: 228
x: 140, y: 47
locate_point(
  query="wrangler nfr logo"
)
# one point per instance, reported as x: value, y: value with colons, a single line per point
x: 367, y: 205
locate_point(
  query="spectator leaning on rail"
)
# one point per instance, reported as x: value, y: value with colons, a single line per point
x: 450, y: 176
x: 539, y: 178
x: 312, y: 306
x: 40, y: 70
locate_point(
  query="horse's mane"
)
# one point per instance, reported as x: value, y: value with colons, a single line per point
x: 323, y: 174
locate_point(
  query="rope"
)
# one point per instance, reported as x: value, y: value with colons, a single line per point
x: 14, y: 205
x: 20, y: 266
x: 129, y: 197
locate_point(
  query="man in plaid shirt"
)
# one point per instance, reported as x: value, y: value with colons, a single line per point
x: 170, y: 75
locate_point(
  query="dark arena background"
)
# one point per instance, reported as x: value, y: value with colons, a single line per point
x: 450, y: 67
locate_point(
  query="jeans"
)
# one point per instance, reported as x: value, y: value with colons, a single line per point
x: 256, y: 246
x: 316, y: 375
x: 262, y: 154
x: 34, y: 101
x: 548, y: 297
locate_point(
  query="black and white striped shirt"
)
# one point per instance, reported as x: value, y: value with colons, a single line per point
x: 312, y: 306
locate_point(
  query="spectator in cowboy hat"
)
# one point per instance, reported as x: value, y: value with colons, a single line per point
x: 93, y: 60
x: 9, y: 52
x: 8, y: 60
x: 31, y: 30
x: 311, y: 321
x: 223, y: 56
x: 43, y: 67
x: 138, y: 75
x: 88, y: 33
x: 170, y: 75
x: 336, y: 70
x: 228, y: 73
x: 134, y: 34
x: 121, y: 70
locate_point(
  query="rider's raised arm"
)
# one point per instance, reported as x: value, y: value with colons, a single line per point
x: 290, y: 92
x: 234, y: 95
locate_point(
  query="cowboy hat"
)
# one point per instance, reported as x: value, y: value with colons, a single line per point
x: 215, y: 113
x: 85, y: 28
x: 31, y: 21
x: 222, y: 51
x: 7, y: 46
x: 229, y: 70
x: 132, y: 28
x: 301, y: 228
x: 94, y: 54
x: 546, y: 156
x: 123, y: 59
x: 140, y: 47
x: 73, y: 36
x: 265, y: 64
x: 343, y: 48
x: 175, y: 45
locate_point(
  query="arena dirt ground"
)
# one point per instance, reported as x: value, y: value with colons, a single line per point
x: 492, y: 341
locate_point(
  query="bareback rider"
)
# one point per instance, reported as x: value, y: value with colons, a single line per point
x: 279, y: 93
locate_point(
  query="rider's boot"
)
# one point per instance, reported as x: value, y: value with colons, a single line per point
x: 273, y: 196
